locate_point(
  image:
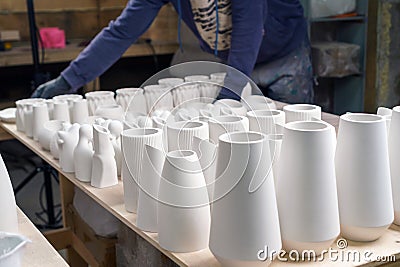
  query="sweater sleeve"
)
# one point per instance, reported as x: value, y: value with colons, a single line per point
x: 246, y: 38
x: 109, y: 45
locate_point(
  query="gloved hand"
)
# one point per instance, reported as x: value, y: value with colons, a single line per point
x: 58, y: 86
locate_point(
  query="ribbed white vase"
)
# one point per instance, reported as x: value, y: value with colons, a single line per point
x: 180, y: 134
x: 265, y: 121
x: 226, y: 124
x: 183, y: 204
x: 131, y: 99
x: 133, y: 145
x: 363, y: 177
x: 99, y: 98
x: 306, y: 188
x: 158, y: 97
x: 394, y: 156
x: 302, y: 112
x: 9, y: 221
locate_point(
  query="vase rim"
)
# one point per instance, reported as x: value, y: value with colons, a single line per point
x: 308, y: 126
x: 138, y: 132
x: 180, y: 125
x: 264, y: 113
x: 244, y: 138
x: 301, y: 107
x: 226, y: 119
x: 179, y: 154
x: 361, y: 118
x: 129, y: 89
x: 99, y: 93
x: 230, y: 103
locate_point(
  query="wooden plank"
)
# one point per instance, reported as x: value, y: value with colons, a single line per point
x: 5, y: 135
x: 38, y: 253
x: 59, y: 238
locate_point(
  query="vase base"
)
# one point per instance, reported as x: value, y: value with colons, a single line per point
x: 239, y: 263
x: 362, y: 234
x: 317, y: 247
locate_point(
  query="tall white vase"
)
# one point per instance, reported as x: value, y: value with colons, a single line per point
x: 363, y: 177
x: 28, y: 119
x: 226, y: 124
x: 160, y: 123
x: 9, y: 221
x: 266, y: 121
x: 180, y: 134
x: 275, y: 146
x: 394, y: 156
x: 183, y: 207
x: 306, y: 189
x: 153, y: 163
x: 104, y: 167
x: 302, y: 112
x: 67, y: 141
x: 244, y: 217
x: 135, y: 140
x: 131, y: 99
x: 80, y: 111
x: 61, y: 111
x: 158, y: 97
x: 83, y: 154
x: 99, y: 98
x: 40, y: 116
x: 69, y: 98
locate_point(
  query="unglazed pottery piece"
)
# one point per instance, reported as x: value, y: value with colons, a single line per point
x: 275, y: 145
x: 116, y: 127
x: 131, y: 99
x: 111, y: 112
x: 9, y: 221
x: 180, y: 134
x: 69, y: 98
x: 80, y: 111
x: 307, y: 186
x: 363, y: 177
x: 158, y: 97
x: 67, y: 141
x: 83, y: 154
x: 49, y: 129
x: 265, y: 120
x: 54, y: 148
x: 104, y: 167
x: 243, y: 187
x: 226, y: 124
x: 302, y: 112
x: 11, y: 249
x: 19, y: 116
x: 40, y: 115
x: 235, y: 107
x: 99, y: 98
x: 8, y: 115
x: 61, y: 111
x: 183, y: 204
x: 258, y: 102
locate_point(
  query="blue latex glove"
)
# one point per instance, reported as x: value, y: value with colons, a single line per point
x: 58, y: 86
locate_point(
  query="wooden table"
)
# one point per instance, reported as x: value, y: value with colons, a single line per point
x: 38, y: 253
x: 112, y: 200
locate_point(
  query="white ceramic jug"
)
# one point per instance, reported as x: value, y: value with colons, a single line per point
x: 67, y: 141
x: 83, y: 154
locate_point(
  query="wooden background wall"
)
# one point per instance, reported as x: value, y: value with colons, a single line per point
x: 81, y: 19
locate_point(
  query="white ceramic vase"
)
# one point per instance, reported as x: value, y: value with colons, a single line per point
x: 386, y: 113
x: 80, y: 111
x: 28, y: 119
x: 158, y: 97
x: 226, y: 124
x: 302, y: 112
x: 9, y: 221
x: 180, y: 134
x: 111, y: 112
x: 235, y: 107
x: 218, y: 77
x: 40, y: 115
x: 266, y: 121
x: 20, y: 104
x: 363, y: 177
x: 83, y: 154
x: 244, y: 218
x: 69, y: 98
x: 275, y: 146
x: 99, y: 98
x: 61, y: 111
x: 394, y: 156
x: 67, y: 141
x: 153, y: 162
x: 49, y: 129
x: 104, y: 167
x: 50, y: 107
x: 183, y: 204
x: 54, y: 147
x: 258, y: 102
x: 135, y: 140
x: 160, y: 123
x: 116, y: 127
x: 171, y: 82
x: 306, y: 189
x: 131, y: 99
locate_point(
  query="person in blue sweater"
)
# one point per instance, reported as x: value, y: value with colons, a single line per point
x: 265, y: 39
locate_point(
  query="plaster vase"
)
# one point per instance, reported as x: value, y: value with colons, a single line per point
x: 218, y: 77
x: 275, y: 146
x: 158, y: 97
x: 302, y: 112
x: 184, y: 114
x: 160, y: 123
x: 183, y: 204
x: 209, y: 91
x: 50, y: 107
x: 83, y: 154
x: 226, y: 124
x: 131, y: 99
x: 153, y: 162
x: 234, y: 106
x: 243, y: 188
x: 163, y: 114
x: 386, y: 113
x: 11, y: 249
x: 207, y: 154
x: 180, y: 134
x: 104, y: 167
x: 28, y: 119
x: 99, y: 98
x: 9, y: 220
x: 363, y: 177
x: 306, y: 189
x: 258, y: 102
x: 111, y: 112
x: 116, y: 127
x: 185, y: 92
x: 20, y: 104
x: 135, y: 140
x: 67, y: 141
x: 49, y: 129
x: 171, y: 82
x: 40, y: 115
x: 61, y: 111
x: 394, y: 156
x: 54, y: 147
x: 80, y: 111
x: 266, y: 121
x: 69, y: 98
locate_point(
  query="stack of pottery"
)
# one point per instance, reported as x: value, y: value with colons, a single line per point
x: 131, y: 99
x: 99, y: 98
x: 158, y: 97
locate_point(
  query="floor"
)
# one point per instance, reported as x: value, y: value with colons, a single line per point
x: 21, y: 162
